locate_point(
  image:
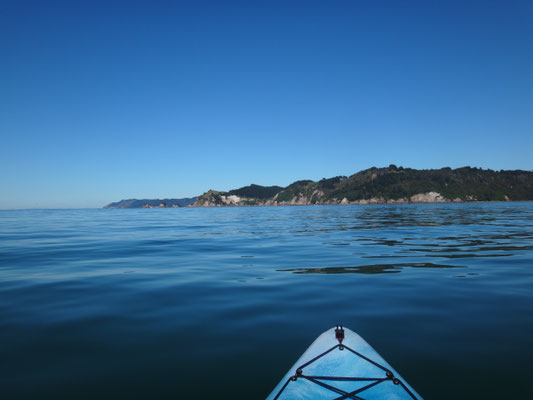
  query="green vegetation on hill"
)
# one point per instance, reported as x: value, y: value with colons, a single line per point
x: 296, y: 189
x: 388, y: 184
x: 257, y: 191
x: 463, y: 183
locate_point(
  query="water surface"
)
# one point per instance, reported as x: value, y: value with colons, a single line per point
x: 219, y: 303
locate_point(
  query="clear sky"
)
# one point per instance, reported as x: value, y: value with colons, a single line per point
x: 101, y: 101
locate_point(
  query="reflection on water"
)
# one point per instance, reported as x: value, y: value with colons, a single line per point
x: 366, y: 269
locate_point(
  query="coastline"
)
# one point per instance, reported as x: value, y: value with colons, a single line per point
x: 359, y: 204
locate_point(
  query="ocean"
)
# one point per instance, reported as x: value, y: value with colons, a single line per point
x: 220, y: 302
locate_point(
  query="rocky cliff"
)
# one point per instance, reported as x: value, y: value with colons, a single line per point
x: 390, y: 185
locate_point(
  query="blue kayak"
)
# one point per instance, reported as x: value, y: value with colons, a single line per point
x: 341, y: 365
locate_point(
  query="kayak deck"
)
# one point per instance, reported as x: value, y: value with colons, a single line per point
x: 341, y: 365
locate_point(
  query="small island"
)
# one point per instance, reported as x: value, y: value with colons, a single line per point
x: 153, y: 203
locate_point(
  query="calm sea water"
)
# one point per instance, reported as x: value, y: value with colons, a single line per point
x: 220, y: 302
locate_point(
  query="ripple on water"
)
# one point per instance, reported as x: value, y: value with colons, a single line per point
x: 148, y: 303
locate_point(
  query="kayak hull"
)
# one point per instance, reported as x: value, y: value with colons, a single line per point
x: 342, y: 369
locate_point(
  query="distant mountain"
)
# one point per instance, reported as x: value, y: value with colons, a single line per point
x: 392, y: 184
x: 154, y: 203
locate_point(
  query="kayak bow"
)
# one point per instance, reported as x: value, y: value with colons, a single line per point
x: 341, y: 365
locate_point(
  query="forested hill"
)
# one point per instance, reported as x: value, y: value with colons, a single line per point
x: 386, y: 185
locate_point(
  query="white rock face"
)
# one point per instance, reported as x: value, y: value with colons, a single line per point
x: 301, y: 199
x: 230, y: 200
x: 430, y: 197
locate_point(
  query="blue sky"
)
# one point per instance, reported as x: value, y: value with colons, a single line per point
x: 101, y: 101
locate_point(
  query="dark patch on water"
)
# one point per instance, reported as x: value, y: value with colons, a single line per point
x: 367, y: 269
x: 467, y: 255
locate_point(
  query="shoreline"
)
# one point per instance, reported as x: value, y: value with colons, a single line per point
x: 358, y: 204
